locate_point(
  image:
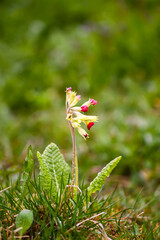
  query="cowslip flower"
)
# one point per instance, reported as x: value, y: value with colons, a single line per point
x: 74, y: 114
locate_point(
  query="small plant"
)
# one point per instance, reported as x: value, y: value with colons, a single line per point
x: 54, y: 171
x: 68, y: 210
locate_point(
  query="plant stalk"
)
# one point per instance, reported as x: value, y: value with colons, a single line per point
x: 74, y: 161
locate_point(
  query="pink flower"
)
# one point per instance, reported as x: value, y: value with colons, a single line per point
x: 68, y: 89
x: 93, y: 102
x: 89, y: 125
x: 84, y: 108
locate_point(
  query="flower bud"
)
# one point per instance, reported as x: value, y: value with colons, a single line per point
x: 68, y: 89
x: 82, y: 132
x: 84, y: 108
x: 92, y: 101
x: 89, y: 125
x: 85, y: 135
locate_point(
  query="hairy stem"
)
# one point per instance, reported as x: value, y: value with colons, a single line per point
x: 74, y: 160
x: 76, y: 170
x: 74, y: 153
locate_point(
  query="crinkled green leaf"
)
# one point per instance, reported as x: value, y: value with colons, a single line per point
x: 53, y: 169
x: 98, y: 182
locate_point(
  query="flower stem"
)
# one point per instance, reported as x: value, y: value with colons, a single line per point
x: 76, y: 171
x: 74, y: 160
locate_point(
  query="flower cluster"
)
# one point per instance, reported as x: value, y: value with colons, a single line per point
x: 74, y: 114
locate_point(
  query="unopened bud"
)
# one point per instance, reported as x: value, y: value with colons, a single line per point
x: 93, y: 102
x: 82, y: 132
x: 89, y: 125
x: 84, y: 108
x: 68, y: 89
x: 85, y: 135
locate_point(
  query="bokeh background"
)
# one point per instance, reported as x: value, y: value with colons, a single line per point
x: 106, y: 50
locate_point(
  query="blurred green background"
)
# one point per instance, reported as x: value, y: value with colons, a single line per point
x: 106, y: 50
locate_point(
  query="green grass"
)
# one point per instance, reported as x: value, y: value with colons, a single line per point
x: 115, y: 215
